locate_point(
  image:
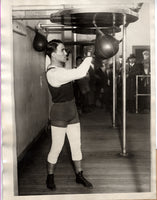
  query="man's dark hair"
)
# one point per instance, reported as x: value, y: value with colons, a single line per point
x: 132, y: 56
x: 52, y: 46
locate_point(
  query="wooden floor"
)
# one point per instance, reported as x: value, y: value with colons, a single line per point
x: 101, y: 145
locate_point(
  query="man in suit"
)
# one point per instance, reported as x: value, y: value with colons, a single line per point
x: 145, y: 82
x: 104, y: 84
x: 133, y: 69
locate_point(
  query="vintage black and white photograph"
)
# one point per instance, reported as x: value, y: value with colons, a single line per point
x: 78, y: 103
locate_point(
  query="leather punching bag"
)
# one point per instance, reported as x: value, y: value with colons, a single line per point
x: 106, y: 46
x: 39, y: 42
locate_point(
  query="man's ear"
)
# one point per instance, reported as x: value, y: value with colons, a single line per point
x: 53, y: 54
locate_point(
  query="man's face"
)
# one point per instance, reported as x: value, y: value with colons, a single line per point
x: 132, y: 60
x: 104, y: 62
x: 60, y: 54
x: 120, y: 60
x: 146, y: 56
x: 78, y: 61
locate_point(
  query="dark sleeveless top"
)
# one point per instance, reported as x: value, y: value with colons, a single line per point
x: 61, y: 94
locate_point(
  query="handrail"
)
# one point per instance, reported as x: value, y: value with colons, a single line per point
x: 137, y: 89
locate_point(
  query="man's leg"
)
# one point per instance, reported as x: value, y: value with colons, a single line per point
x: 74, y: 137
x: 58, y: 136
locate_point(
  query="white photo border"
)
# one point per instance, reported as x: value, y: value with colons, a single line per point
x: 9, y: 158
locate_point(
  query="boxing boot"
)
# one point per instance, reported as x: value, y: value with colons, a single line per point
x: 81, y: 180
x: 50, y: 176
x: 50, y: 182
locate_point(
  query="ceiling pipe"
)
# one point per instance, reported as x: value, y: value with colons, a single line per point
x: 32, y: 17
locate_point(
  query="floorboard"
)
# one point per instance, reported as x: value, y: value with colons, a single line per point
x: 102, y: 163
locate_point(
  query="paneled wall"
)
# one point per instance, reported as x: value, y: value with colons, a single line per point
x: 31, y: 94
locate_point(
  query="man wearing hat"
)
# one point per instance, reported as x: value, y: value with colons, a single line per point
x: 133, y: 69
x: 145, y: 82
x: 146, y: 62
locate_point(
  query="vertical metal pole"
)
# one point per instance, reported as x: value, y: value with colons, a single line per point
x: 124, y: 153
x: 75, y: 50
x: 136, y: 94
x: 114, y: 94
x: 114, y: 81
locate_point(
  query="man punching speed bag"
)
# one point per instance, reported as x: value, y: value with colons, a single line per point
x: 39, y: 42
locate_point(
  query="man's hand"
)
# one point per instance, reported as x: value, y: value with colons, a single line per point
x: 90, y: 60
